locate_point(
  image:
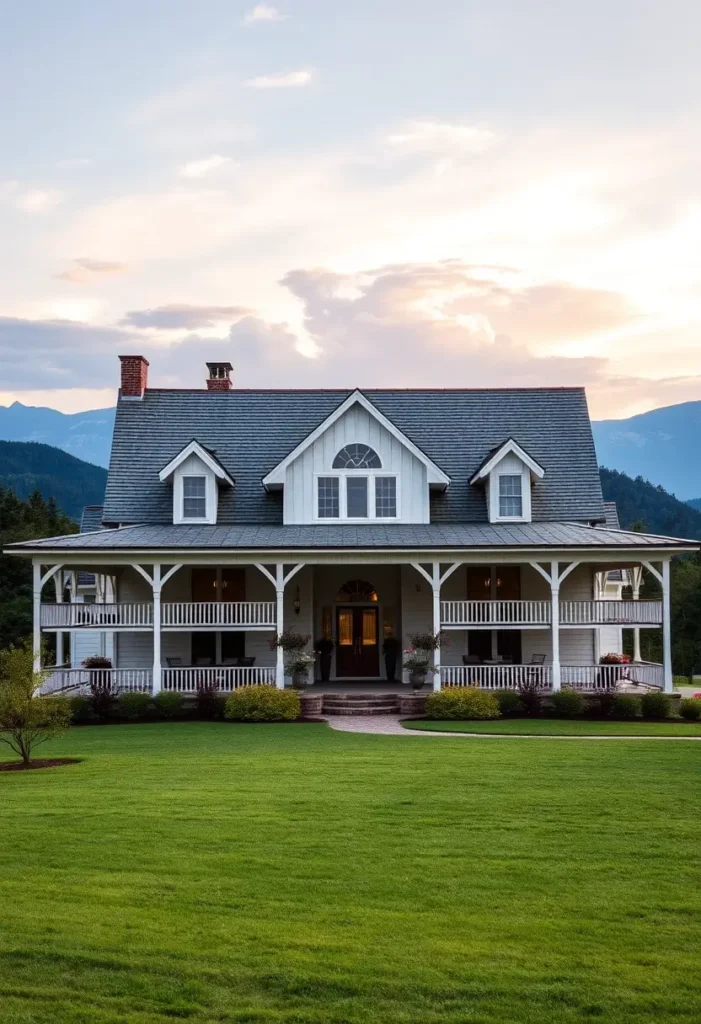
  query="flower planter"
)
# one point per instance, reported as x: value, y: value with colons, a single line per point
x: 417, y: 680
x: 299, y: 680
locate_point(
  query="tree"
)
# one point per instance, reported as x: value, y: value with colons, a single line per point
x: 26, y: 718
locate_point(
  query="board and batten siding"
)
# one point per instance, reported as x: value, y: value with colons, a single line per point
x: 356, y: 425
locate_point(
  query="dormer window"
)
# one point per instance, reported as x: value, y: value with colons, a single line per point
x: 510, y: 496
x: 194, y: 497
x: 357, y: 456
x: 360, y: 490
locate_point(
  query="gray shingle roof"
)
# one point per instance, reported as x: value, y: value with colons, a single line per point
x: 613, y: 523
x: 475, y: 535
x: 251, y: 431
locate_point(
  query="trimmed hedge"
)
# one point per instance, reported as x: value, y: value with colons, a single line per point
x: 169, y: 704
x: 655, y: 705
x: 262, y: 704
x: 134, y: 706
x: 626, y: 706
x: 690, y: 708
x: 509, y: 702
x: 567, y: 703
x: 462, y: 702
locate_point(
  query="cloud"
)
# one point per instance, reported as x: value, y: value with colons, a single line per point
x: 433, y: 136
x: 263, y: 12
x: 205, y: 166
x: 87, y: 270
x: 73, y: 161
x: 283, y: 80
x: 39, y: 200
x: 181, y: 316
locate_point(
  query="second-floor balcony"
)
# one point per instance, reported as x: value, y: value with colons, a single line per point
x: 181, y: 615
x: 537, y: 614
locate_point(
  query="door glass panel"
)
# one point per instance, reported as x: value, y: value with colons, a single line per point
x: 369, y: 628
x: 357, y: 497
x: 345, y: 629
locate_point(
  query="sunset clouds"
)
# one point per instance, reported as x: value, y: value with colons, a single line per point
x: 459, y: 204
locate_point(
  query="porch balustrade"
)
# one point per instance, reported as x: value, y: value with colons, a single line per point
x: 578, y: 677
x: 218, y: 615
x: 97, y: 616
x: 79, y: 680
x: 537, y: 614
x: 225, y: 679
x: 605, y: 677
x: 610, y: 613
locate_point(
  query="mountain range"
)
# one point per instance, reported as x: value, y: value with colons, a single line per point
x: 26, y: 466
x: 663, y: 445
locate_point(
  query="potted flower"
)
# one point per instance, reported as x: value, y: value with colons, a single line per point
x: 290, y: 641
x: 418, y: 665
x: 324, y: 648
x: 614, y: 675
x: 390, y: 649
x: 422, y: 647
x: 297, y: 665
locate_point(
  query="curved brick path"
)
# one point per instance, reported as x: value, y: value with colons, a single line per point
x: 390, y: 725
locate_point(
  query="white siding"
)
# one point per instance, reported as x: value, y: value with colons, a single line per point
x: 356, y: 425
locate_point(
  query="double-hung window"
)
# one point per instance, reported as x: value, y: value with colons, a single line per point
x: 510, y: 496
x: 194, y: 497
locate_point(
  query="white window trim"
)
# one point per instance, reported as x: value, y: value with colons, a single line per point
x: 211, y: 499
x: 493, y: 497
x: 343, y: 517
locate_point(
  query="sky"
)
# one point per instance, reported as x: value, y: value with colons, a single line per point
x: 377, y: 193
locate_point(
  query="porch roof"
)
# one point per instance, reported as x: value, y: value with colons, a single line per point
x: 371, y: 536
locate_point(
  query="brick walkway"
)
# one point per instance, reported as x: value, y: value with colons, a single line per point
x: 389, y: 725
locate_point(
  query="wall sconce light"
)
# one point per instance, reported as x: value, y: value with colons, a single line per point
x: 297, y: 602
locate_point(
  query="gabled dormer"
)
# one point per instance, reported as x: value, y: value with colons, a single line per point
x: 357, y: 467
x: 508, y: 473
x: 196, y: 475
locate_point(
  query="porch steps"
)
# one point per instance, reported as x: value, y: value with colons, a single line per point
x: 360, y: 704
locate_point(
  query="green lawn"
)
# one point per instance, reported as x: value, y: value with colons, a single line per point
x: 270, y: 874
x: 561, y: 727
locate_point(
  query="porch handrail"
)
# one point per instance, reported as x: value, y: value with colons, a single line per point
x: 79, y: 680
x: 495, y: 613
x: 223, y: 678
x: 496, y: 677
x: 218, y: 613
x: 588, y: 613
x: 97, y: 616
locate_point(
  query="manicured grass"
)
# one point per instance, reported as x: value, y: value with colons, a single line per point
x: 561, y: 727
x: 270, y: 874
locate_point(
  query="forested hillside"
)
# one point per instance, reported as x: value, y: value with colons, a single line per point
x: 639, y: 501
x: 26, y: 467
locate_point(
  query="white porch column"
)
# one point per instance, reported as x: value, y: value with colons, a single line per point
x: 436, y: 588
x: 667, y: 628
x: 58, y: 584
x: 36, y: 613
x: 279, y: 624
x: 636, y: 581
x: 156, y: 628
x: 555, y: 623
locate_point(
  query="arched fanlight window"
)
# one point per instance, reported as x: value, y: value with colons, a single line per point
x: 357, y: 456
x: 356, y: 591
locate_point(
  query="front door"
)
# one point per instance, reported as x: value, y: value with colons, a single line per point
x: 357, y: 650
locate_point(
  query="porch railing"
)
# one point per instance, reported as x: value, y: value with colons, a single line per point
x: 614, y: 613
x: 495, y: 677
x: 79, y: 680
x: 578, y: 677
x: 224, y: 679
x: 97, y: 616
x: 219, y: 614
x: 455, y: 614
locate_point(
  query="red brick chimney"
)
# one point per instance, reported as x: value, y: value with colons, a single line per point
x: 219, y: 377
x: 134, y: 376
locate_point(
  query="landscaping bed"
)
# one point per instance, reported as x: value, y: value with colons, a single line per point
x: 37, y: 762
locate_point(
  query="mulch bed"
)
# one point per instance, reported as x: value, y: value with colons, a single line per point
x: 38, y: 762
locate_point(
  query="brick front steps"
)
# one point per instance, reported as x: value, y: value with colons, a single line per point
x: 361, y: 704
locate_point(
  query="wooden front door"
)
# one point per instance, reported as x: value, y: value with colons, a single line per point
x: 357, y: 650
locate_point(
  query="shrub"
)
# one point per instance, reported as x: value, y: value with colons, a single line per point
x: 26, y: 718
x: 133, y: 706
x: 626, y: 705
x: 509, y: 702
x: 529, y: 692
x: 462, y: 702
x: 169, y: 704
x: 101, y: 695
x: 81, y: 711
x: 655, y: 705
x: 690, y: 709
x: 567, y: 703
x: 603, y: 704
x: 207, y: 700
x: 262, y: 704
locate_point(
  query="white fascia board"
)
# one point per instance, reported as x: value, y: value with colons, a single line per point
x: 195, y: 448
x: 508, y: 448
x: 435, y: 475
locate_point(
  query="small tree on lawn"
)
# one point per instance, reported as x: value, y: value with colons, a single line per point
x: 26, y: 718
